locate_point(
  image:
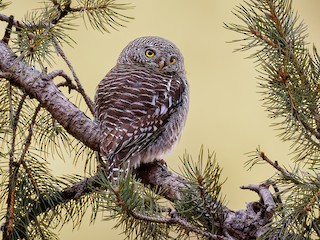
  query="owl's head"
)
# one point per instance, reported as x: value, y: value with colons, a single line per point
x: 153, y: 52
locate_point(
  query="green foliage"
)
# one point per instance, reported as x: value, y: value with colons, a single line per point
x: 35, y: 35
x: 299, y: 217
x: 27, y: 175
x: 143, y: 214
x: 103, y: 14
x: 37, y: 193
x: 289, y: 76
x: 33, y: 40
x: 135, y: 208
x: 202, y: 204
x: 297, y: 214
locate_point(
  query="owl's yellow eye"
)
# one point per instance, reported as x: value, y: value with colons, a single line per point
x: 150, y: 53
x: 172, y: 60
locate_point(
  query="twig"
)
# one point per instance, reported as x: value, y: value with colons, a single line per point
x: 278, y: 198
x: 275, y: 18
x: 84, y: 8
x: 8, y: 226
x: 284, y: 76
x: 64, y: 11
x: 7, y: 33
x: 287, y: 175
x: 60, y: 73
x: 12, y: 22
x: 171, y: 220
x: 68, y: 83
x: 26, y: 147
x: 275, y: 165
x: 277, y: 192
x: 209, y: 207
x: 5, y: 18
x: 264, y: 38
x: 88, y: 101
x: 290, y: 55
x: 19, y: 24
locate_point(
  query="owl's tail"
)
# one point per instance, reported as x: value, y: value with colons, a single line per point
x: 115, y: 168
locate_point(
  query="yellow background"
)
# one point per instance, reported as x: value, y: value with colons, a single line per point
x: 226, y: 114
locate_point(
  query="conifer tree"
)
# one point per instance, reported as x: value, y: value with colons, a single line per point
x: 37, y: 120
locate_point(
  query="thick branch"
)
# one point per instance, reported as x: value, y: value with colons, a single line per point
x: 156, y: 175
x: 38, y: 86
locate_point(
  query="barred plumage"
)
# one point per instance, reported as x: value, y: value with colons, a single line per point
x: 142, y: 104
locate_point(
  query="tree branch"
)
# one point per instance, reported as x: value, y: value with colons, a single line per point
x: 7, y: 19
x: 171, y: 220
x: 37, y: 86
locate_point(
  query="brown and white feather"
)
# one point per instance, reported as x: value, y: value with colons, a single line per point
x: 141, y: 111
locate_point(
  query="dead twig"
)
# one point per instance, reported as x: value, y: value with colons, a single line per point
x: 7, y: 33
x: 81, y: 90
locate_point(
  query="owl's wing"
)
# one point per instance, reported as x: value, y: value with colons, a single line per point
x: 133, y: 106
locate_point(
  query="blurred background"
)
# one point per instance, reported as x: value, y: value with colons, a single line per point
x: 226, y: 114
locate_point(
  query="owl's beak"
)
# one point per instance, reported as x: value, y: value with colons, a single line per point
x: 161, y: 64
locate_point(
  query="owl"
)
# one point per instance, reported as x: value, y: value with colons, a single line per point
x: 141, y: 105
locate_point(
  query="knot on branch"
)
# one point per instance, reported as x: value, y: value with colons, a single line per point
x: 249, y: 223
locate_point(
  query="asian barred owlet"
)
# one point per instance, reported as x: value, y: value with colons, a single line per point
x: 141, y: 104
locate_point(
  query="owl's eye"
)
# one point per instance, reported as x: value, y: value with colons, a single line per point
x: 172, y: 60
x: 149, y: 53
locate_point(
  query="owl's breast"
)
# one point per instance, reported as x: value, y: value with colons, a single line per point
x: 174, y: 103
x: 142, y: 112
